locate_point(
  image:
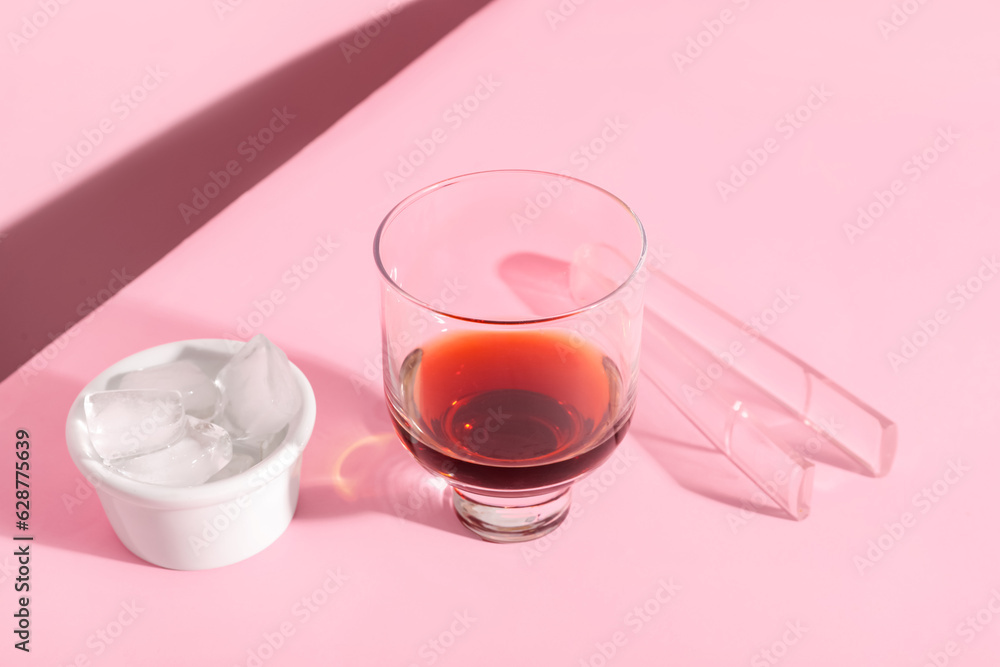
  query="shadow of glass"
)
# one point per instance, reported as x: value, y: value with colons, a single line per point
x: 355, y: 463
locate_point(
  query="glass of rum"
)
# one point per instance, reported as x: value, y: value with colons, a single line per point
x: 508, y: 371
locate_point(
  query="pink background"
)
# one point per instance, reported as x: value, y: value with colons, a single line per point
x: 415, y: 580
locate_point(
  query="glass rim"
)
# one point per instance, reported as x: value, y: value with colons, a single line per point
x: 427, y: 190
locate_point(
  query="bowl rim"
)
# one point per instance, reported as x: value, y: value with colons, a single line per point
x: 236, y: 487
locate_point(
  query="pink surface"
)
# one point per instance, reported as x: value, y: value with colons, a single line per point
x: 375, y: 570
x: 137, y: 128
x: 74, y: 65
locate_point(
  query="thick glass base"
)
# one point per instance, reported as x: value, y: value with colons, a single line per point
x: 511, y: 519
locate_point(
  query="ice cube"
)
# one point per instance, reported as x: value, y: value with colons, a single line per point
x: 203, y: 450
x: 259, y: 393
x: 198, y: 392
x: 130, y: 422
x: 264, y: 446
x: 244, y: 458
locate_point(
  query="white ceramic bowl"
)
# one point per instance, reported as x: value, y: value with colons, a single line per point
x: 200, y: 527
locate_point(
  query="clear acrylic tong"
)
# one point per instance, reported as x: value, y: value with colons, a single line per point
x: 766, y: 410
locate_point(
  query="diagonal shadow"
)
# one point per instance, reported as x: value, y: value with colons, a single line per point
x: 59, y: 261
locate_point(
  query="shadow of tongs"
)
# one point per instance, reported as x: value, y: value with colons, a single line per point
x: 763, y: 408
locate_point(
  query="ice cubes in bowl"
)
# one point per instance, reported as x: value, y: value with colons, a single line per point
x: 127, y: 423
x: 199, y: 393
x: 202, y: 451
x: 259, y: 393
x: 236, y: 514
x: 156, y: 428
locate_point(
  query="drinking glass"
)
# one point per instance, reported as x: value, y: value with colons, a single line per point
x: 510, y: 384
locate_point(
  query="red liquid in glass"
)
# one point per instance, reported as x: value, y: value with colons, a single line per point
x: 509, y: 410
